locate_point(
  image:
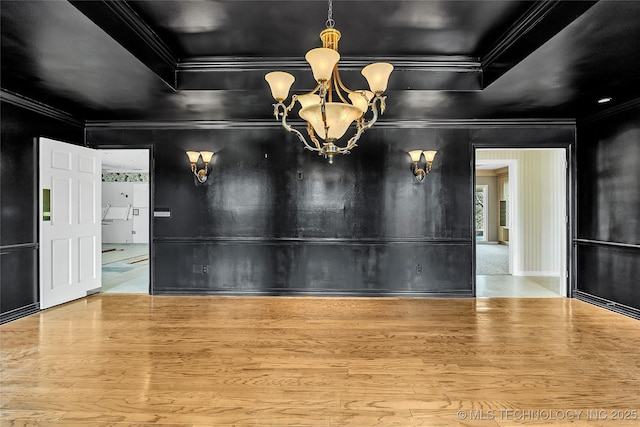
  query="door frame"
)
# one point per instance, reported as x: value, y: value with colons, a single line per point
x: 150, y: 148
x: 570, y: 207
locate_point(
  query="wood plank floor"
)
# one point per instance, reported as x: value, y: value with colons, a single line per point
x: 137, y: 360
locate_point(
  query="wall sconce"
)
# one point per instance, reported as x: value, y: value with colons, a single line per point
x: 415, y: 157
x: 206, y: 158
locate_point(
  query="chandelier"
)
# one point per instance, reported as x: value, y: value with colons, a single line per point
x: 329, y: 117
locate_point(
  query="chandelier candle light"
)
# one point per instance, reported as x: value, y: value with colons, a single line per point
x: 326, y: 118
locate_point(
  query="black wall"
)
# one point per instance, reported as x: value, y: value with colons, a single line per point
x: 608, y: 243
x: 274, y: 218
x: 18, y: 186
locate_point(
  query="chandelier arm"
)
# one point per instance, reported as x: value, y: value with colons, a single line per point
x: 289, y: 128
x: 323, y: 112
x: 337, y: 84
x: 314, y: 90
x: 374, y: 110
x: 352, y: 142
x: 312, y: 136
x: 342, y: 85
x: 362, y: 126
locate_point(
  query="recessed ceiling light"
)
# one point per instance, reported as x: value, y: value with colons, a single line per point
x: 604, y: 100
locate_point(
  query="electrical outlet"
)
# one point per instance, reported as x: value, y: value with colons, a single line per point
x: 418, y: 270
x: 205, y: 269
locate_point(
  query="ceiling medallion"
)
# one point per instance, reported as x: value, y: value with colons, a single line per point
x: 328, y: 118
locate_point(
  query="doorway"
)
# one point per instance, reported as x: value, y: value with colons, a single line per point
x: 523, y: 251
x: 125, y: 220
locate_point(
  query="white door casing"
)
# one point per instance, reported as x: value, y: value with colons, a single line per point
x: 70, y: 240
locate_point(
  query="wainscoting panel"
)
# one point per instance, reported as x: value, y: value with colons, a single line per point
x: 313, y: 267
x: 18, y: 277
x: 609, y: 272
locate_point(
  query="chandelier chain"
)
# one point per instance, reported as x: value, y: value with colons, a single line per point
x: 330, y: 22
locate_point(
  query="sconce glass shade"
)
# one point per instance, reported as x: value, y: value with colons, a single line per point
x: 280, y: 83
x: 429, y: 155
x: 415, y: 155
x: 339, y: 117
x: 308, y: 99
x: 322, y: 61
x: 193, y: 156
x: 377, y: 76
x: 360, y: 99
x: 206, y: 156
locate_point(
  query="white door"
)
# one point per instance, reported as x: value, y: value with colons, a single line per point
x: 70, y: 227
x: 141, y: 212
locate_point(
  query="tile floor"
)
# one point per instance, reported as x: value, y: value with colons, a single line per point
x: 495, y: 286
x: 125, y: 268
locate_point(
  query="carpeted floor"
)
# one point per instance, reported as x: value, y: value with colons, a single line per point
x: 492, y: 259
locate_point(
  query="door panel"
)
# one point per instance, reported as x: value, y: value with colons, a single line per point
x: 70, y: 244
x: 86, y: 202
x: 61, y: 160
x: 61, y: 266
x: 60, y: 201
x: 87, y: 251
x: 86, y: 164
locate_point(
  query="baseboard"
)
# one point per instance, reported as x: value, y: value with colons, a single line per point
x: 537, y: 273
x: 625, y: 310
x: 315, y: 293
x: 18, y: 313
x: 483, y: 242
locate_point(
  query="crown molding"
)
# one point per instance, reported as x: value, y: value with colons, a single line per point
x: 272, y: 124
x: 610, y: 111
x: 118, y: 19
x: 39, y: 107
x: 542, y: 21
x: 240, y: 64
x: 532, y: 17
x: 417, y: 73
x: 124, y: 11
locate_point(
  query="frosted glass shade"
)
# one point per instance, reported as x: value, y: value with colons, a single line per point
x: 193, y: 156
x: 415, y: 155
x: 322, y: 61
x: 339, y: 117
x: 280, y: 83
x: 429, y: 155
x: 377, y: 76
x: 206, y: 156
x: 361, y: 101
x: 308, y: 99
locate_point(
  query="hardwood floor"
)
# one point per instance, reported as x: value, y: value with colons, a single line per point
x: 137, y: 360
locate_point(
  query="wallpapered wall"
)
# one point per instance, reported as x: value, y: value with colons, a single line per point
x: 125, y: 177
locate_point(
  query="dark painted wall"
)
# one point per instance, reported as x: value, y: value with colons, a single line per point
x: 276, y: 219
x: 608, y: 184
x: 18, y: 186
